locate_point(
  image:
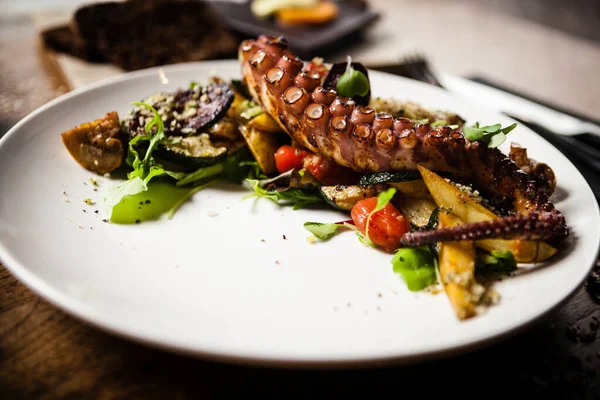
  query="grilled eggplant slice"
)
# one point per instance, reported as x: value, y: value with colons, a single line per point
x: 345, y: 197
x: 192, y: 152
x: 98, y: 146
x: 185, y: 112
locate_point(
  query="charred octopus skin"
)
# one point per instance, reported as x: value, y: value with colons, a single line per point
x: 354, y: 136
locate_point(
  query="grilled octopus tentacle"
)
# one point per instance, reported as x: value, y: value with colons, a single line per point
x: 356, y: 137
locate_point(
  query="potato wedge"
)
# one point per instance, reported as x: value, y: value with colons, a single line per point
x: 417, y: 211
x: 457, y: 270
x: 263, y: 146
x: 264, y: 122
x: 416, y: 189
x: 445, y: 194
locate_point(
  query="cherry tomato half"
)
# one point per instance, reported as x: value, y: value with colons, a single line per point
x: 329, y: 173
x: 288, y: 157
x: 386, y: 226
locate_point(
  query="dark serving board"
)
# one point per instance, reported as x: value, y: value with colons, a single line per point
x: 306, y: 41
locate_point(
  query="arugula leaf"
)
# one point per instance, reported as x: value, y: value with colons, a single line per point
x: 492, y: 135
x: 382, y: 200
x: 143, y: 169
x: 365, y: 240
x: 201, y: 174
x: 115, y: 193
x: 322, y: 231
x: 416, y: 266
x: 297, y: 196
x: 352, y: 82
x: 254, y: 170
x: 495, y: 264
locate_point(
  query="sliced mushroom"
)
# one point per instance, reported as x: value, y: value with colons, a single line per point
x: 98, y: 145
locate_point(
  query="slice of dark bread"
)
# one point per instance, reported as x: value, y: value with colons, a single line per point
x: 139, y: 34
x: 62, y: 39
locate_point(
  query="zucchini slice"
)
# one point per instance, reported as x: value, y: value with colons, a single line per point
x: 385, y: 177
x: 345, y: 197
x: 192, y: 151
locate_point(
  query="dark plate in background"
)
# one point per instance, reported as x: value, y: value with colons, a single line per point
x: 305, y: 40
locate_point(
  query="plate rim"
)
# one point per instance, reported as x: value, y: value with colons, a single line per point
x: 88, y: 315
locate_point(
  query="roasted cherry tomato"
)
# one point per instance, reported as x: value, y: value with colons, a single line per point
x: 288, y: 157
x: 329, y: 173
x: 317, y: 65
x: 386, y: 226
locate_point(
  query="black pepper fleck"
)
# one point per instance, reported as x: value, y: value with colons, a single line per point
x: 137, y: 221
x: 263, y: 240
x: 84, y: 211
x: 147, y: 202
x: 284, y: 237
x: 105, y: 220
x: 96, y: 212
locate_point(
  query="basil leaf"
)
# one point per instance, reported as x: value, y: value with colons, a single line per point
x: 416, y: 266
x: 352, y: 82
x: 322, y: 231
x: 491, y: 128
x: 496, y: 140
x: 472, y: 133
x: 492, y: 135
x: 509, y: 128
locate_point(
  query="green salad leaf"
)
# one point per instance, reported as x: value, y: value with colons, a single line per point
x: 496, y: 264
x: 143, y: 169
x: 201, y: 174
x: 352, y: 82
x: 492, y: 135
x: 322, y: 231
x: 299, y: 197
x: 416, y: 266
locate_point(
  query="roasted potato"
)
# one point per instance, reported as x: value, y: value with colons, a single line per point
x: 445, y: 194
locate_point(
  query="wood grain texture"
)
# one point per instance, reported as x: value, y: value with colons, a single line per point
x: 47, y: 354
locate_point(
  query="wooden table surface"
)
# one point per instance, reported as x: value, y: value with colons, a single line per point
x: 45, y: 353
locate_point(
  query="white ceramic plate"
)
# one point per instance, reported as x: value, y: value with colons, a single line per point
x: 229, y: 286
